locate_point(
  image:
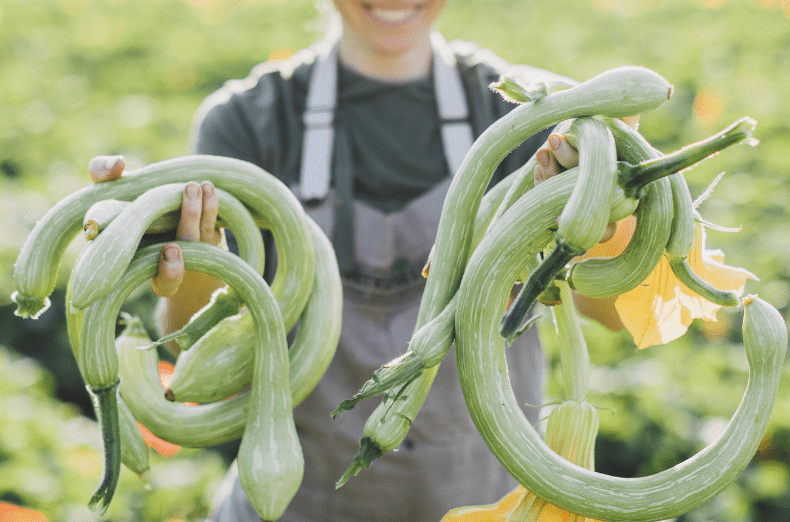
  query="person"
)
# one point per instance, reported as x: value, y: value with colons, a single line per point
x: 368, y: 127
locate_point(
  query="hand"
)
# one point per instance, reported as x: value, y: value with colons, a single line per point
x: 560, y: 156
x: 556, y: 158
x: 198, y: 223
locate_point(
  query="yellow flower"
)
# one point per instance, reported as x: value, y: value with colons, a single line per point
x: 496, y: 512
x: 661, y: 308
x: 571, y: 432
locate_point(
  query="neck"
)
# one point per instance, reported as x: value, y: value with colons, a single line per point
x: 399, y: 66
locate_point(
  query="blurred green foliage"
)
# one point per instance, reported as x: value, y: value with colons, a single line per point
x: 50, y: 459
x: 87, y: 77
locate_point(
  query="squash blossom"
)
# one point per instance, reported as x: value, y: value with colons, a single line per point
x: 571, y: 432
x: 661, y: 308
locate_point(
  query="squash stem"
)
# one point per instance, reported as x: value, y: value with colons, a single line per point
x: 29, y: 306
x: 105, y: 402
x: 224, y: 303
x: 536, y: 283
x: 401, y: 371
x: 682, y: 270
x: 633, y: 178
x: 369, y: 451
x: 575, y: 359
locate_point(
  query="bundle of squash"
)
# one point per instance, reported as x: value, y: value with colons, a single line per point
x: 495, y: 239
x: 490, y: 240
x: 267, y: 380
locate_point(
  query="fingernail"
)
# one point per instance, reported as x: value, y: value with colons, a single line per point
x: 208, y: 189
x: 192, y: 190
x: 538, y: 174
x: 543, y: 157
x: 170, y: 254
x: 110, y: 162
x: 554, y: 142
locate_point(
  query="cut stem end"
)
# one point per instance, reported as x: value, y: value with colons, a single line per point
x: 368, y: 452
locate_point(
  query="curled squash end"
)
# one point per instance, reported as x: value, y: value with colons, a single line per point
x: 426, y: 269
x: 91, y: 229
x: 29, y: 306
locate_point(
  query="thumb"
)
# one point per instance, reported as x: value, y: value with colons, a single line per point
x: 106, y: 168
x: 170, y: 271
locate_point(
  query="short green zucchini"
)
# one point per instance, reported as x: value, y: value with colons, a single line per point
x: 600, y: 277
x: 682, y: 238
x: 681, y: 234
x: 583, y: 220
x: 186, y: 425
x: 684, y: 273
x: 134, y: 450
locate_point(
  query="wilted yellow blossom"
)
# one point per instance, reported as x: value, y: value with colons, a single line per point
x: 661, y: 308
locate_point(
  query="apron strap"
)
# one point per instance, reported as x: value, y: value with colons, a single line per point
x: 454, y: 119
x: 319, y: 120
x: 319, y: 116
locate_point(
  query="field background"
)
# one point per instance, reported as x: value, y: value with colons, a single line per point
x: 85, y: 77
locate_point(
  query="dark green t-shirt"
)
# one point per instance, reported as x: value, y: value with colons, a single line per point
x: 393, y: 128
x: 395, y: 138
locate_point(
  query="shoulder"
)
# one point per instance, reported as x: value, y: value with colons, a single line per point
x: 266, y: 82
x: 248, y: 118
x: 479, y: 68
x: 474, y: 59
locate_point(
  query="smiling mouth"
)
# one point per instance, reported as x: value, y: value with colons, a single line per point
x: 392, y: 15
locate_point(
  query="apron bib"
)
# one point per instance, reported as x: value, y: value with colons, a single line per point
x: 443, y: 462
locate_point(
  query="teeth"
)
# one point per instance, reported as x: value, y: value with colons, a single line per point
x: 392, y: 16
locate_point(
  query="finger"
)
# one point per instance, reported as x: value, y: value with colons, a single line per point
x: 191, y: 205
x: 543, y: 158
x: 608, y: 234
x: 106, y: 168
x: 208, y: 216
x: 538, y: 175
x: 564, y: 154
x: 546, y: 167
x: 170, y: 271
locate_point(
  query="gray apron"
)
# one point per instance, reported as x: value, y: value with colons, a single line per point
x: 443, y: 462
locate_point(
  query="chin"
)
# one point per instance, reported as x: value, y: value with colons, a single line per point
x: 390, y: 26
x: 395, y: 44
